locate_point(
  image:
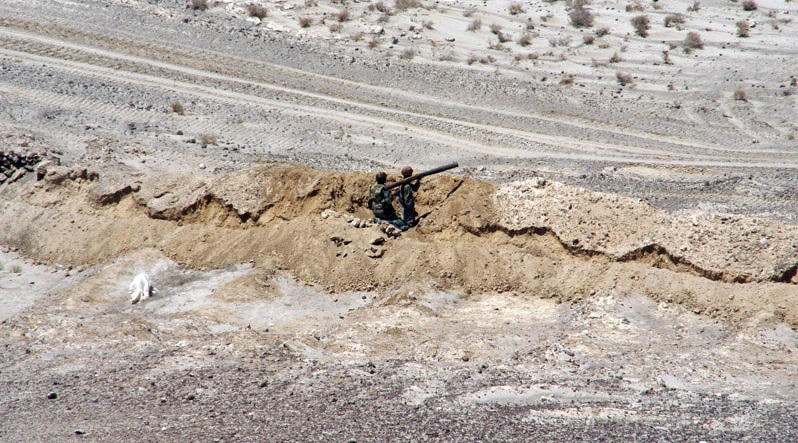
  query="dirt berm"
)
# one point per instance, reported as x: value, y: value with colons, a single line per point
x: 535, y: 237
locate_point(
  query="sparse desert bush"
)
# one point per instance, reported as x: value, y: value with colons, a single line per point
x: 407, y: 4
x: 634, y: 7
x: 496, y: 46
x: 616, y: 58
x: 790, y: 136
x: 342, y: 15
x: 177, y: 107
x: 693, y: 41
x: 381, y: 7
x: 448, y: 57
x: 515, y: 8
x: 524, y: 40
x: 16, y: 268
x: 357, y: 36
x: 696, y: 6
x: 428, y: 24
x: 602, y: 31
x: 742, y: 28
x: 642, y: 24
x: 373, y: 43
x: 559, y: 41
x: 533, y: 56
x: 623, y: 79
x: 469, y: 12
x: 199, y: 5
x: 407, y: 54
x: 475, y: 25
x: 472, y: 58
x: 305, y: 22
x: 486, y: 60
x: 750, y: 5
x: 208, y: 139
x: 504, y: 38
x: 335, y: 27
x: 384, y: 18
x: 581, y: 18
x: 258, y: 11
x: 311, y: 3
x: 496, y: 28
x: 588, y: 39
x: 1, y: 266
x: 567, y: 80
x: 739, y: 95
x: 673, y: 19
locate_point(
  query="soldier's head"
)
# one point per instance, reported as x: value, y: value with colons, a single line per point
x: 381, y: 177
x: 407, y: 171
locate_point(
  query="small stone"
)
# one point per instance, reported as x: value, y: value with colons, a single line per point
x: 377, y: 241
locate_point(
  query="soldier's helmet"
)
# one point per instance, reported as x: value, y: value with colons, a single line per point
x: 381, y: 177
x: 407, y: 171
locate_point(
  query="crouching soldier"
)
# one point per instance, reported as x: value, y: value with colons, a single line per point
x: 380, y: 203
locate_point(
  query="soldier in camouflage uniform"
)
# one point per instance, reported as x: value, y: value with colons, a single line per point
x: 380, y: 203
x: 406, y: 197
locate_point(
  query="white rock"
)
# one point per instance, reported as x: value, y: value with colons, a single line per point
x: 141, y: 288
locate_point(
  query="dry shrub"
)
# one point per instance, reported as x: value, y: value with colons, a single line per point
x: 357, y: 36
x: 342, y: 15
x: 504, y: 38
x: 524, y: 40
x: 516, y: 8
x: 567, y: 80
x: 750, y: 5
x: 177, y: 107
x: 384, y: 18
x: 693, y: 41
x: 695, y: 7
x: 739, y: 95
x: 407, y: 54
x: 257, y: 11
x: 588, y: 39
x: 488, y: 59
x: 407, y: 4
x: 642, y: 24
x: 623, y: 79
x: 532, y: 56
x: 373, y: 43
x: 311, y: 3
x: 380, y: 6
x: 448, y: 57
x: 208, y: 139
x: 475, y: 25
x: 742, y: 28
x: 496, y: 28
x: 335, y: 27
x: 673, y: 19
x: 200, y: 5
x: 616, y: 58
x: 601, y: 32
x: 305, y: 22
x: 428, y: 24
x: 634, y: 7
x: 469, y: 12
x: 581, y: 18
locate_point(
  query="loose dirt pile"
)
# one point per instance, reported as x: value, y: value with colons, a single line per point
x: 532, y: 237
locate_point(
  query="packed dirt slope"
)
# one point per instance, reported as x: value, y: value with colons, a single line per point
x: 533, y: 237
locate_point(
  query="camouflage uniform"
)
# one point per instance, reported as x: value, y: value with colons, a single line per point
x: 408, y: 203
x: 380, y: 204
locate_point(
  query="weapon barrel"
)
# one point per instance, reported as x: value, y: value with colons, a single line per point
x: 437, y: 170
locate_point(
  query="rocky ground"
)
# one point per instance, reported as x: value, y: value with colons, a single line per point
x: 614, y: 260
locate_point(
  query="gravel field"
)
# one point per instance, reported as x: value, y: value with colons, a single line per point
x: 614, y: 259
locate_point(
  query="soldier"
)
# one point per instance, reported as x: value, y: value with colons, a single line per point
x: 380, y: 203
x: 406, y: 197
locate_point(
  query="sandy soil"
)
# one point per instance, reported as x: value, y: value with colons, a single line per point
x: 614, y: 260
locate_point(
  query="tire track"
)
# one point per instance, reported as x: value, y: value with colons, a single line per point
x: 265, y: 92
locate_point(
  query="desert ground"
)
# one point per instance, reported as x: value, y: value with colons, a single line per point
x: 614, y: 259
